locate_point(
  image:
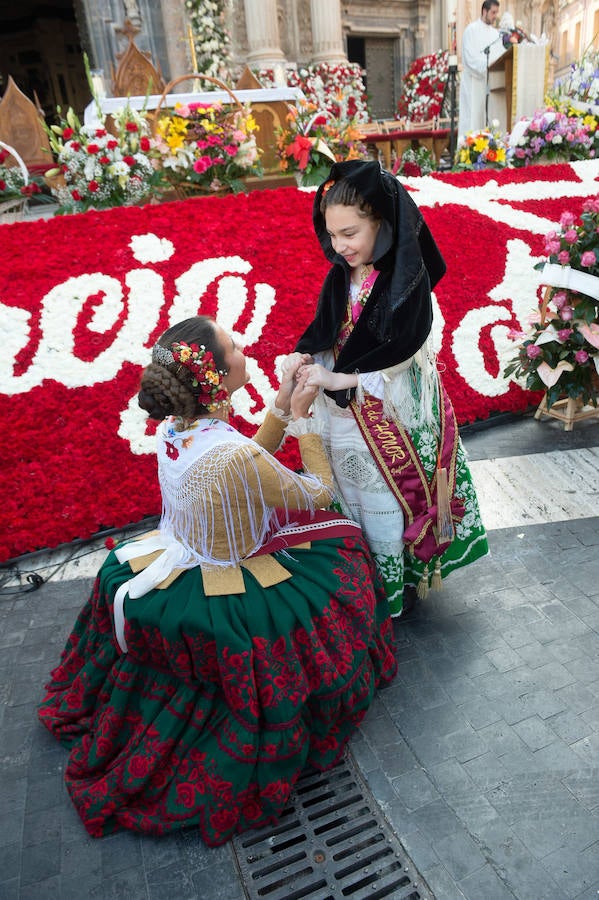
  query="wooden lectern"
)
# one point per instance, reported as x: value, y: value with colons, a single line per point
x: 518, y: 83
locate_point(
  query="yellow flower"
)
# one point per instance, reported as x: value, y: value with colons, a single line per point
x: 185, y: 353
x: 175, y: 141
x: 500, y: 154
x: 480, y: 143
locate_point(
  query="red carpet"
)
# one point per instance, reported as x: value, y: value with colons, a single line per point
x: 83, y: 298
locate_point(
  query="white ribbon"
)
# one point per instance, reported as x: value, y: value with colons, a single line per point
x: 173, y: 555
x: 572, y: 279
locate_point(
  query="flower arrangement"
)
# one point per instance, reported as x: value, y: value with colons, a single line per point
x: 208, y: 145
x: 337, y: 89
x: 415, y: 161
x: 100, y: 168
x: 551, y: 135
x: 578, y: 91
x: 424, y: 87
x: 482, y: 150
x: 12, y: 181
x: 313, y: 141
x: 211, y: 40
x: 512, y: 32
x: 560, y: 354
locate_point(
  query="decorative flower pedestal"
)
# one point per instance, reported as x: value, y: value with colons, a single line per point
x: 567, y: 411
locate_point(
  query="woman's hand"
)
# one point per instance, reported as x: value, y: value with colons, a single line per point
x: 289, y: 370
x: 301, y: 400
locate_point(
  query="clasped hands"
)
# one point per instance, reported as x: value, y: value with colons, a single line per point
x: 302, y: 378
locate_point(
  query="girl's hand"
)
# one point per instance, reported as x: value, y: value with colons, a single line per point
x: 317, y: 376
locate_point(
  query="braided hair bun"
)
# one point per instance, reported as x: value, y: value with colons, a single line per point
x: 167, y: 387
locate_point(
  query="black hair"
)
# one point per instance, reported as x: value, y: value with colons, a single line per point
x: 344, y: 193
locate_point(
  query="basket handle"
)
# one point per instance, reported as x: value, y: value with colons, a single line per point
x: 209, y: 78
x: 20, y: 163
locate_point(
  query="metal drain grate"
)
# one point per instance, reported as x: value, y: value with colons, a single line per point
x: 330, y: 842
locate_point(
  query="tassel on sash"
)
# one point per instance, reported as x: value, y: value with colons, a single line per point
x: 437, y: 580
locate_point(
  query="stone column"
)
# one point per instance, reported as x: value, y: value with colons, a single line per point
x: 327, y: 35
x: 263, y: 33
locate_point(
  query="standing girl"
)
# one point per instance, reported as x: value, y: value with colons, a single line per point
x: 380, y: 405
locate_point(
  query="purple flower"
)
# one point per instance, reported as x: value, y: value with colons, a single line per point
x: 588, y: 258
x: 532, y: 351
x: 566, y: 312
x: 563, y: 334
x: 581, y: 356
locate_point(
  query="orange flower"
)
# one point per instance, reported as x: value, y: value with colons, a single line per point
x: 300, y: 149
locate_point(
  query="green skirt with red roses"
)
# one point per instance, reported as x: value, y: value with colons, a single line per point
x: 221, y: 701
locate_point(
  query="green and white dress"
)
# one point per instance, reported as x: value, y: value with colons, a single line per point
x: 409, y: 392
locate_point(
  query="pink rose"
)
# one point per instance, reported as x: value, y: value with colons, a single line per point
x: 588, y: 258
x: 566, y: 313
x: 564, y: 334
x: 532, y: 351
x: 563, y: 258
x: 552, y: 247
x: 567, y: 219
x: 581, y: 356
x: 571, y: 236
x: 559, y: 299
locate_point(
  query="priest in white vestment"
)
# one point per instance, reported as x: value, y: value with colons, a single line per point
x: 473, y: 85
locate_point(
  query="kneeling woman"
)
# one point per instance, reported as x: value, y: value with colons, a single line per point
x: 242, y: 641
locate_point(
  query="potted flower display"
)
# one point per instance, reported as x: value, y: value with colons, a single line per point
x: 103, y: 165
x: 560, y: 354
x: 313, y: 140
x: 16, y: 185
x: 550, y: 136
x: 486, y: 149
x: 424, y: 87
x: 578, y: 91
x: 414, y: 162
x: 207, y: 147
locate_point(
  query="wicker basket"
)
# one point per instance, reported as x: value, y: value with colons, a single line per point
x: 14, y: 210
x: 185, y: 189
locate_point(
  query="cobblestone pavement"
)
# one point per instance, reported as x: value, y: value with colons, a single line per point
x: 483, y: 754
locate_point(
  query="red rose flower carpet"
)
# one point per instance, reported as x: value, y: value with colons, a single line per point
x: 83, y: 299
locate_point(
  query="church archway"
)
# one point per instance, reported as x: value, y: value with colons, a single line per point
x: 41, y: 46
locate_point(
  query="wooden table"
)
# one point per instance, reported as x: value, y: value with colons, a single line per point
x: 435, y: 141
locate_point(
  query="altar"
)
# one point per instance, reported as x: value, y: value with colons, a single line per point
x: 518, y: 82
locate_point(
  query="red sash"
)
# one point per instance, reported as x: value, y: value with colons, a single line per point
x: 399, y: 464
